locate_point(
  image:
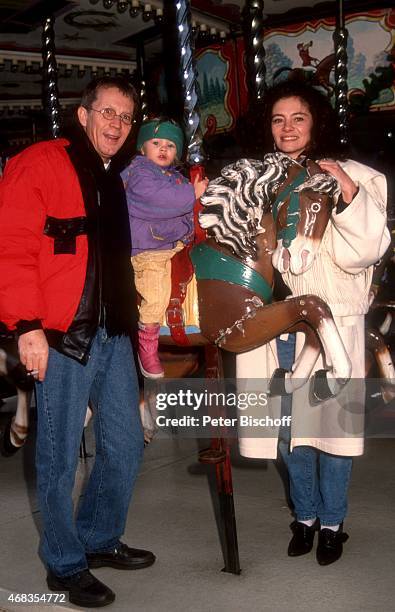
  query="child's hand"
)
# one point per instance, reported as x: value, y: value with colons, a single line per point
x: 200, y: 186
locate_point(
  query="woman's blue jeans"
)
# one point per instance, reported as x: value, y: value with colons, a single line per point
x: 318, y: 482
x: 109, y: 382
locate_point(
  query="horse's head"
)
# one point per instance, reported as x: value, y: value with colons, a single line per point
x: 232, y: 212
x: 235, y: 203
x: 302, y: 210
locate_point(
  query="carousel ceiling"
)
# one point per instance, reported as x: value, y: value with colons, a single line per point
x: 109, y: 36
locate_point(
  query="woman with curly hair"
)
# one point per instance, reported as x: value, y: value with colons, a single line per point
x: 318, y: 450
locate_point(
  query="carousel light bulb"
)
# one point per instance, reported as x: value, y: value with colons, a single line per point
x: 158, y: 16
x: 135, y: 8
x: 107, y: 4
x: 213, y: 35
x: 122, y: 6
x: 203, y: 30
x: 148, y: 13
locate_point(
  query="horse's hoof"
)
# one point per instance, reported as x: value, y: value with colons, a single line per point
x: 320, y: 389
x: 277, y: 383
x: 7, y: 448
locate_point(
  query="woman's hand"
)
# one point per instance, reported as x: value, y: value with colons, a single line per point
x: 348, y: 187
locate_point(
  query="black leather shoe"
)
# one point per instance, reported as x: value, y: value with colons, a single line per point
x: 84, y: 589
x: 302, y: 540
x: 330, y: 545
x: 122, y: 557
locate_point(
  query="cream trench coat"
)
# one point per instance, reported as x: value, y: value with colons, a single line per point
x: 341, y: 275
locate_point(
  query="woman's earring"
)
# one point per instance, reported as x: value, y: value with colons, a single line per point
x: 274, y: 146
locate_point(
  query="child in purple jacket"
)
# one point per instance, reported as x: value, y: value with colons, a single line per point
x: 160, y: 202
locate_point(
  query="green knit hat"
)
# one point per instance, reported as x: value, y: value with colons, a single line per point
x: 161, y: 129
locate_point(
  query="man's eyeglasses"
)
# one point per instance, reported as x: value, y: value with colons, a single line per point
x: 109, y: 114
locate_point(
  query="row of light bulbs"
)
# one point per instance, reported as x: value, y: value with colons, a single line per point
x: 21, y: 107
x: 65, y: 69
x: 201, y: 30
x: 135, y: 8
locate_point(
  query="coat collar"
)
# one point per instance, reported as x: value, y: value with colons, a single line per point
x: 88, y: 155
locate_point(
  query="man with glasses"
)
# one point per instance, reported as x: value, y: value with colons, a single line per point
x: 66, y: 289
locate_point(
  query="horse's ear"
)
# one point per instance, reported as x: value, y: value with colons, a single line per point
x: 313, y: 167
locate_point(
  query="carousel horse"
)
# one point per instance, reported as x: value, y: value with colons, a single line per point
x: 259, y: 213
x: 378, y: 350
x: 17, y: 426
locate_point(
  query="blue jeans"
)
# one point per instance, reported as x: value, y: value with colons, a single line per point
x: 109, y: 381
x: 318, y: 482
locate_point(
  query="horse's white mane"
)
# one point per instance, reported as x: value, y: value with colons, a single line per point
x: 235, y: 202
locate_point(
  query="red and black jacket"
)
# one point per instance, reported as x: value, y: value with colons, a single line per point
x: 65, y: 245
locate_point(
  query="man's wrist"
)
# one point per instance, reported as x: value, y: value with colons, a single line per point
x: 23, y: 326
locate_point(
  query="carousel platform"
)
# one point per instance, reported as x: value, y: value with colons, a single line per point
x: 172, y: 515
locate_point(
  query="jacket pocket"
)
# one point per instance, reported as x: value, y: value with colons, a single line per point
x: 64, y: 232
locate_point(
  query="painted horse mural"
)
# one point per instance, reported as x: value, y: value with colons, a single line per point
x: 320, y: 76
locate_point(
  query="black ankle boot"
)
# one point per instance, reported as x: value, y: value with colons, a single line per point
x: 302, y: 539
x: 330, y: 545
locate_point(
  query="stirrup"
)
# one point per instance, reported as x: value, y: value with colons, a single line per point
x: 320, y: 390
x: 277, y: 383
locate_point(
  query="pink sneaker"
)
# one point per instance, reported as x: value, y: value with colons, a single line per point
x: 149, y: 362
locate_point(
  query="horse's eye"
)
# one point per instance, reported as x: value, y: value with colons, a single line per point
x: 315, y: 207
